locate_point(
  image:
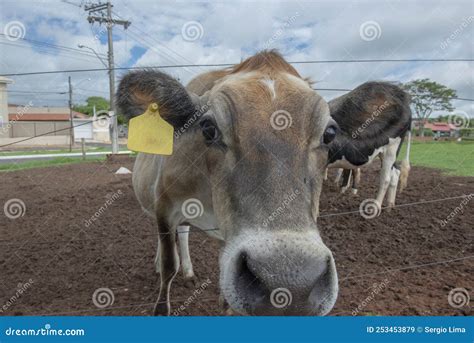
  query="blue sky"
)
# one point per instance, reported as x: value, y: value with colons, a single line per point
x: 193, y: 32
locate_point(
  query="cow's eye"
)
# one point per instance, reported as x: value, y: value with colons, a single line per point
x: 329, y: 134
x: 209, y: 131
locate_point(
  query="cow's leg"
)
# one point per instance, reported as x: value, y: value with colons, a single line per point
x: 392, y: 188
x: 338, y: 176
x: 186, y: 264
x: 157, y: 259
x: 346, y: 180
x: 355, y: 180
x: 388, y: 160
x: 169, y: 265
x: 224, y: 306
x: 325, y: 174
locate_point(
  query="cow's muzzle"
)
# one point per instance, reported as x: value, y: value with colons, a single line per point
x: 282, y: 273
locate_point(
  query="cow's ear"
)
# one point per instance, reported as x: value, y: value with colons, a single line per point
x: 372, y: 110
x: 138, y: 89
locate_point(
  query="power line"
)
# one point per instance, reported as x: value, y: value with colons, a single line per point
x: 92, y: 90
x: 389, y: 60
x: 102, y: 91
x: 160, y: 51
x: 232, y: 64
x: 41, y: 100
x: 32, y: 92
x: 463, y: 99
x: 51, y: 45
x: 348, y: 90
x: 47, y: 51
x: 140, y: 35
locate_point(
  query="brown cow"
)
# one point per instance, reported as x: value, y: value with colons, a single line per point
x: 250, y: 149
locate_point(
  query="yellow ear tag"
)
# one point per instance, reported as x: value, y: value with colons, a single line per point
x: 150, y: 133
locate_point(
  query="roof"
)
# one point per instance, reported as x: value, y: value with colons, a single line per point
x: 38, y: 116
x: 5, y: 80
x: 442, y: 127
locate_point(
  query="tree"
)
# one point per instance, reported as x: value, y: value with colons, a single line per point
x: 428, y: 96
x: 97, y: 101
x: 100, y: 104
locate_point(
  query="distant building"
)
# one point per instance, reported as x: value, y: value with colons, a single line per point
x: 46, y: 125
x: 29, y: 121
x: 4, y: 100
x: 41, y: 113
x: 443, y: 129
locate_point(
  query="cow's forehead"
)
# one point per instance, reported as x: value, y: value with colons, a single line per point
x: 254, y: 94
x: 285, y: 82
x: 260, y: 102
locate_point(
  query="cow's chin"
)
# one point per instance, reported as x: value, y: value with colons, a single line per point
x: 254, y: 283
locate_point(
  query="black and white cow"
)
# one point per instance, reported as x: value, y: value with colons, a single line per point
x: 374, y: 119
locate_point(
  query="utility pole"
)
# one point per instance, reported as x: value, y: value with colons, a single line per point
x: 105, y: 12
x: 71, y: 122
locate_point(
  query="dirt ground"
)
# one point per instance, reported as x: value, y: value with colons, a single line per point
x: 402, y: 263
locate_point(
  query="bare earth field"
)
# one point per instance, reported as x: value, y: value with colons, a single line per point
x: 401, y: 263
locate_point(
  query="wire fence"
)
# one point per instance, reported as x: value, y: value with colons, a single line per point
x: 223, y: 65
x: 101, y: 118
x: 68, y: 128
x: 191, y: 65
x: 174, y: 301
x: 216, y: 298
x: 46, y: 245
x: 96, y: 90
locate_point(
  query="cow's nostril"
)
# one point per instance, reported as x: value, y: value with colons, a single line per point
x: 243, y: 271
x: 248, y: 282
x: 245, y: 274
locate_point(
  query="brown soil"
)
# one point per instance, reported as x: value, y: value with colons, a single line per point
x: 401, y: 263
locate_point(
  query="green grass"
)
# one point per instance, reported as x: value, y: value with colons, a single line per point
x: 59, y: 161
x: 452, y: 157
